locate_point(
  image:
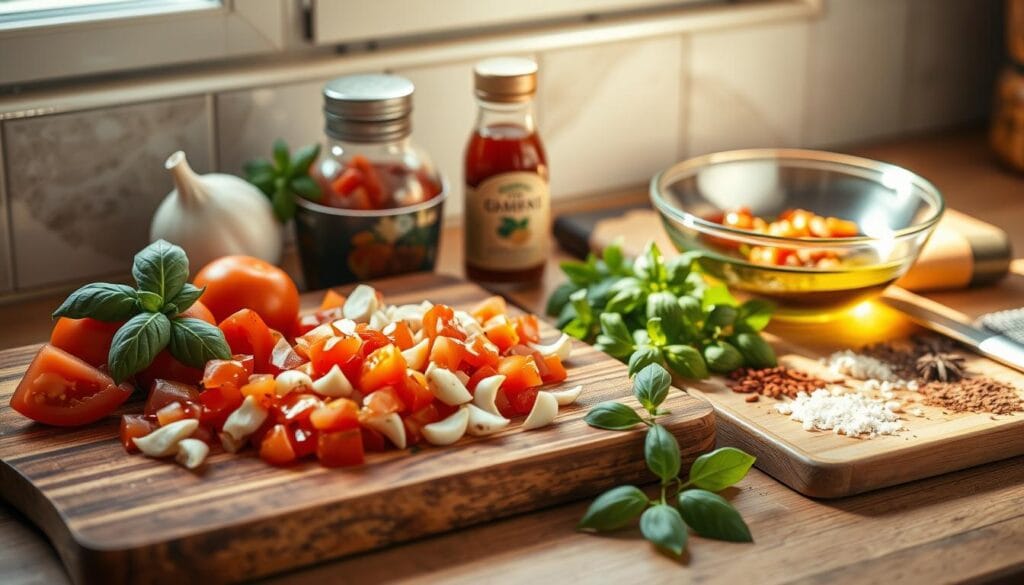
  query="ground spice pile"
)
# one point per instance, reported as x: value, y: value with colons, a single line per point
x: 902, y: 356
x: 973, y: 395
x: 773, y: 382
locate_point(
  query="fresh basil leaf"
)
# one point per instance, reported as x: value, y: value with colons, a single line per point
x: 614, y: 509
x: 662, y: 525
x: 150, y: 301
x: 721, y: 357
x: 612, y: 416
x: 665, y: 306
x: 613, y: 326
x: 560, y: 298
x: 625, y: 300
x: 195, y: 342
x: 598, y: 292
x: 284, y: 204
x: 101, y: 301
x: 640, y: 337
x: 717, y: 295
x: 720, y: 317
x: 613, y: 257
x: 579, y: 273
x: 186, y: 298
x: 720, y: 468
x: 692, y: 310
x: 281, y: 157
x: 303, y: 158
x: 161, y: 268
x: 613, y: 347
x: 257, y: 166
x: 685, y: 361
x: 755, y: 314
x: 306, y: 187
x: 650, y: 386
x: 678, y: 268
x: 756, y: 351
x: 642, y: 357
x: 712, y: 516
x: 649, y: 265
x: 661, y: 450
x: 656, y: 332
x: 577, y: 328
x: 579, y: 302
x: 136, y: 343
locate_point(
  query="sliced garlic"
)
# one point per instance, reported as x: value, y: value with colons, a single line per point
x: 320, y: 331
x: 192, y: 453
x: 333, y: 384
x: 379, y: 320
x: 543, y: 413
x: 447, y: 387
x: 361, y: 304
x: 469, y: 323
x: 449, y: 430
x: 412, y: 315
x: 390, y: 426
x: 483, y: 423
x: 486, y: 392
x: 562, y: 348
x: 164, y: 440
x: 568, y: 395
x: 416, y: 356
x: 245, y: 419
x: 306, y: 368
x: 291, y: 381
x: 230, y: 444
x: 344, y: 327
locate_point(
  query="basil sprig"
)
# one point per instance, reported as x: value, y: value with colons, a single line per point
x: 286, y: 176
x: 682, y: 504
x: 660, y: 311
x: 150, y: 314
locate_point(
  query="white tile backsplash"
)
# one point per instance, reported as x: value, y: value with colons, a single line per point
x: 82, y: 187
x: 609, y: 114
x: 6, y: 276
x: 857, y: 68
x: 747, y: 88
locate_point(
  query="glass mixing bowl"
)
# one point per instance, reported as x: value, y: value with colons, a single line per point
x: 895, y: 210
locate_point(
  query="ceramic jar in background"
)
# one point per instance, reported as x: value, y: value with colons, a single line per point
x: 1007, y: 134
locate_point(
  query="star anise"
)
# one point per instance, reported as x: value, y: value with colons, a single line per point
x: 941, y: 367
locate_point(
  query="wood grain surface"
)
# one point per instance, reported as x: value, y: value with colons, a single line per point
x: 115, y: 518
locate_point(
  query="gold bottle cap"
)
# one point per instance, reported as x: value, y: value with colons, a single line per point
x: 505, y: 79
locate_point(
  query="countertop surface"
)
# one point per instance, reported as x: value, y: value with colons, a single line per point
x: 963, y: 526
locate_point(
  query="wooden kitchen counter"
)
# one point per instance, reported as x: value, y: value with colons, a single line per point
x: 964, y: 526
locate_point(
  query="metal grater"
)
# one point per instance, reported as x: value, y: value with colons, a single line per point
x: 1009, y: 323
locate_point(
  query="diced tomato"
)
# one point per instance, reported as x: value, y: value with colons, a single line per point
x: 480, y: 374
x: 225, y: 372
x: 522, y: 401
x: 481, y: 352
x: 372, y: 339
x: 373, y: 441
x: 371, y: 180
x: 501, y: 332
x: 343, y: 352
x: 218, y: 403
x: 340, y: 448
x: 447, y: 353
x: 86, y: 339
x: 332, y: 300
x: 276, y: 447
x: 164, y: 392
x: 520, y: 349
x: 528, y: 328
x: 383, y: 367
x: 62, y: 390
x: 413, y: 391
x: 347, y: 181
x: 383, y: 401
x: 841, y: 228
x: 173, y: 412
x: 304, y: 439
x: 555, y: 369
x: 134, y: 426
x: 310, y: 321
x: 165, y: 367
x: 204, y: 434
x: 283, y: 357
x: 520, y: 372
x: 297, y: 407
x: 488, y: 308
x: 503, y: 404
x: 337, y: 415
x: 399, y: 334
x: 246, y: 333
x: 262, y: 387
x: 440, y: 320
x: 415, y: 422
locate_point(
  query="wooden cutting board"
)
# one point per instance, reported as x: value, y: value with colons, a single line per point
x: 115, y: 518
x: 824, y: 465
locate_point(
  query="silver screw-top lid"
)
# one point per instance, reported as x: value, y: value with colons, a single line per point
x: 368, y: 108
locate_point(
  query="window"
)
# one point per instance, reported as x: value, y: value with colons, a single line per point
x: 21, y: 14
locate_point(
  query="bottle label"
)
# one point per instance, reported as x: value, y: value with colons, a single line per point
x: 508, y: 221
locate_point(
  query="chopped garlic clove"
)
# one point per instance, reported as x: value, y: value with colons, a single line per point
x: 447, y: 387
x: 192, y: 453
x: 390, y: 426
x: 562, y: 348
x: 379, y: 320
x: 344, y: 327
x: 361, y: 304
x: 164, y: 440
x: 486, y: 392
x: 449, y: 430
x: 229, y: 443
x: 245, y: 420
x: 333, y: 384
x: 320, y: 331
x: 469, y: 323
x: 292, y: 381
x: 416, y: 356
x: 543, y: 413
x: 482, y: 423
x: 567, y: 396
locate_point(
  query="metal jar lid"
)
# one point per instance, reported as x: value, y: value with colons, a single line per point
x: 505, y: 79
x: 368, y: 108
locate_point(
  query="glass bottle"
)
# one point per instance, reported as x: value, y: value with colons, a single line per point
x: 507, y: 203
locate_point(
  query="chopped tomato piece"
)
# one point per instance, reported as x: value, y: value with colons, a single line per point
x: 520, y: 372
x: 304, y: 439
x: 383, y: 367
x: 306, y: 323
x: 225, y: 372
x: 383, y: 401
x: 520, y: 349
x: 414, y: 392
x: 343, y: 352
x: 276, y: 447
x: 399, y: 334
x: 332, y: 300
x: 501, y: 332
x: 528, y: 328
x: 372, y: 339
x: 246, y: 333
x: 488, y: 308
x: 415, y: 422
x: 841, y: 228
x: 372, y: 440
x: 371, y: 181
x: 262, y: 387
x: 62, y: 390
x: 86, y: 339
x: 447, y: 353
x: 440, y: 320
x: 555, y: 369
x: 340, y: 448
x: 297, y: 407
x: 337, y: 415
x: 480, y: 374
x: 504, y: 406
x: 347, y: 182
x: 173, y: 412
x: 522, y: 401
x: 218, y: 403
x: 134, y: 426
x: 164, y: 392
x: 481, y: 352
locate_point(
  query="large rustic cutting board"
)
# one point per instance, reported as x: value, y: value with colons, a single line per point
x: 115, y: 518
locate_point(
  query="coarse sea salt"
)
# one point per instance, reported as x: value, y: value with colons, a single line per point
x: 846, y: 414
x: 863, y: 367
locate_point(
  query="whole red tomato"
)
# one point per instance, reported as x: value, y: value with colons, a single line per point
x: 243, y: 282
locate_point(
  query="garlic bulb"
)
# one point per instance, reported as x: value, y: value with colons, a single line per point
x: 215, y: 215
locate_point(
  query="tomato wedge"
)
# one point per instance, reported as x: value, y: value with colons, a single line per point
x: 340, y: 448
x: 164, y: 392
x: 447, y: 353
x: 276, y: 447
x: 62, y: 390
x: 520, y: 372
x: 489, y: 308
x: 383, y: 367
x: 337, y: 415
x: 246, y: 333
